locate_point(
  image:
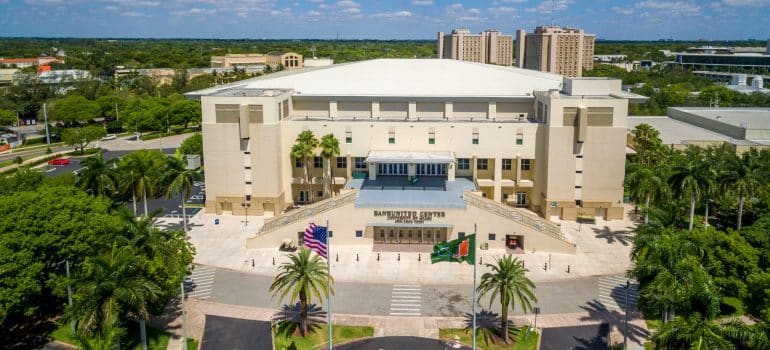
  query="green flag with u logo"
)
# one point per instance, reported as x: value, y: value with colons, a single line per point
x: 458, y: 250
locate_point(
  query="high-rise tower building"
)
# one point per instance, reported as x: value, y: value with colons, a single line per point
x: 489, y: 46
x: 564, y: 51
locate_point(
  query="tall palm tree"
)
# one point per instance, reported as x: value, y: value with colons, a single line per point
x: 179, y: 180
x: 108, y: 286
x: 744, y: 175
x: 702, y: 333
x: 509, y: 282
x: 691, y: 177
x: 99, y: 176
x: 140, y: 173
x: 645, y: 183
x: 330, y: 148
x: 304, y: 148
x: 301, y: 278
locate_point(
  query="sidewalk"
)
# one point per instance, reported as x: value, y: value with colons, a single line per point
x: 391, y: 325
x: 603, y: 249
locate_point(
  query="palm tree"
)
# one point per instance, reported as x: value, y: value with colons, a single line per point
x: 179, y: 180
x: 644, y: 182
x: 301, y: 278
x: 701, y: 333
x: 691, y: 177
x: 507, y: 280
x: 330, y: 148
x: 647, y: 142
x: 744, y: 174
x: 140, y: 172
x: 109, y: 285
x: 99, y: 176
x: 304, y: 148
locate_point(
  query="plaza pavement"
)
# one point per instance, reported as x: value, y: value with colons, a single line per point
x: 602, y: 249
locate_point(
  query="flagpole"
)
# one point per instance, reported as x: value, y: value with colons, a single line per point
x: 473, y: 302
x: 328, y: 282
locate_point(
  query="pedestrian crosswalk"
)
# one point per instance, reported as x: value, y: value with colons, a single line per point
x: 203, y: 277
x: 405, y: 300
x: 612, y: 292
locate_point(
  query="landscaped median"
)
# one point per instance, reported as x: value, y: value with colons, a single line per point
x: 522, y: 338
x: 320, y: 338
x: 156, y: 339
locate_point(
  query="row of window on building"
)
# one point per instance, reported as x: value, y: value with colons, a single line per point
x: 462, y: 163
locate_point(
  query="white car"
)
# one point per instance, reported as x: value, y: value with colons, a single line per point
x: 199, y: 184
x: 196, y: 197
x: 109, y: 137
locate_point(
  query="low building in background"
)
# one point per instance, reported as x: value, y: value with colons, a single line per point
x: 63, y: 76
x: 553, y: 49
x: 721, y: 58
x: 240, y: 60
x: 287, y: 60
x: 489, y: 46
x: 741, y: 128
x: 10, y: 76
x: 29, y: 62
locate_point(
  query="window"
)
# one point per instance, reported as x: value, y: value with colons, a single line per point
x: 431, y: 136
x: 505, y: 197
x: 463, y: 164
x: 392, y: 135
x: 521, y: 198
x: 360, y: 162
x: 475, y: 136
x: 475, y: 141
x: 348, y: 136
x: 431, y: 141
x: 507, y: 164
x: 286, y: 109
x: 391, y: 140
x: 342, y: 162
x: 319, y: 194
x: 460, y: 234
x: 247, y: 168
x: 492, y: 236
x: 227, y: 113
x: 525, y: 164
x: 519, y: 139
x: 482, y: 164
x: 331, y: 234
x: 297, y: 162
x: 578, y: 186
x: 318, y: 162
x: 248, y: 182
x: 255, y: 114
x: 578, y: 171
x: 360, y: 233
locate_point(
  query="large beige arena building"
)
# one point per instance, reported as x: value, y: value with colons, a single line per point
x: 427, y: 148
x: 564, y: 51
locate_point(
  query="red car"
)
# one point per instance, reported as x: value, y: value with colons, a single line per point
x: 59, y: 161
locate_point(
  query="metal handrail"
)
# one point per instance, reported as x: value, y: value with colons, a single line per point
x: 518, y: 215
x: 307, y: 211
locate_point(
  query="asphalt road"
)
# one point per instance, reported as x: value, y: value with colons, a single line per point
x: 238, y: 288
x: 592, y: 337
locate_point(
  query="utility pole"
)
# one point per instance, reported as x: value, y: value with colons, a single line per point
x: 625, y: 332
x: 117, y: 116
x: 45, y: 119
x: 184, y: 318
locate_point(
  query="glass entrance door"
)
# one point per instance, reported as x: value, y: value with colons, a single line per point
x: 430, y: 169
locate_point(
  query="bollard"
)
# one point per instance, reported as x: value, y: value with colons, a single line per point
x: 399, y: 257
x: 252, y: 262
x: 481, y: 260
x: 337, y: 258
x: 419, y: 256
x: 356, y: 256
x: 567, y: 268
x: 273, y: 260
x: 545, y: 266
x: 378, y: 256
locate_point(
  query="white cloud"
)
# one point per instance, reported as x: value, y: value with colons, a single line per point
x: 552, y: 6
x: 514, y: 1
x: 393, y: 15
x: 111, y: 8
x: 622, y: 10
x: 754, y: 3
x: 502, y: 9
x: 422, y: 2
x: 346, y: 3
x: 353, y: 10
x: 194, y: 11
x: 133, y: 14
x: 313, y: 13
x: 680, y: 8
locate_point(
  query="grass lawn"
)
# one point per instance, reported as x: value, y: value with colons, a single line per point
x: 731, y: 306
x: 320, y: 337
x: 156, y: 339
x: 527, y: 343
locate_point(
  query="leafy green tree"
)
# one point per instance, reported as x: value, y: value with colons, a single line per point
x: 81, y: 137
x: 55, y: 223
x: 302, y: 277
x: 7, y: 117
x: 508, y: 281
x: 744, y: 174
x: 140, y: 172
x: 179, y: 181
x: 110, y: 106
x: 647, y: 143
x: 75, y: 109
x: 696, y: 332
x: 758, y: 295
x: 184, y: 112
x: 690, y: 177
x: 22, y: 180
x: 330, y: 148
x: 193, y: 145
x: 98, y: 176
x: 303, y: 149
x: 645, y: 183
x: 109, y: 285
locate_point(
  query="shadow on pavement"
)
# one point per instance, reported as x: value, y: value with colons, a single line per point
x: 599, y: 312
x: 624, y: 237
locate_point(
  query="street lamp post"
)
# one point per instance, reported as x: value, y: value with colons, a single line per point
x: 246, y: 206
x: 625, y: 332
x: 66, y: 263
x: 184, y: 317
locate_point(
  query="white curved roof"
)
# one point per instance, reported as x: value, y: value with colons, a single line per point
x: 404, y: 77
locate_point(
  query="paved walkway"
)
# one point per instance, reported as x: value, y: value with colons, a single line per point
x: 392, y: 325
x: 603, y: 249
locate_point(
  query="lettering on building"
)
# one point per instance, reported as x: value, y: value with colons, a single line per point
x: 409, y: 216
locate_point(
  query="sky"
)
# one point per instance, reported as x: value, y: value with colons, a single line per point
x: 383, y: 19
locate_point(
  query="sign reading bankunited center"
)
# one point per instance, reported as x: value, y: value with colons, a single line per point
x: 409, y: 216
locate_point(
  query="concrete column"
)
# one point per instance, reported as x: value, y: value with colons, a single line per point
x: 492, y: 110
x: 518, y: 169
x: 372, y: 171
x: 332, y: 109
x: 498, y: 179
x: 473, y: 167
x: 448, y: 109
x: 375, y: 109
x: 349, y: 169
x: 450, y: 172
x: 412, y: 110
x: 411, y: 170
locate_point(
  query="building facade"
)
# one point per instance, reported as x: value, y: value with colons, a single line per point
x: 289, y: 60
x: 239, y: 60
x: 415, y: 140
x: 553, y: 49
x: 489, y: 46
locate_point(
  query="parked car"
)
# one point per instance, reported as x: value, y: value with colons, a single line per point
x: 109, y: 137
x: 59, y: 161
x: 197, y: 197
x: 188, y: 283
x: 199, y: 184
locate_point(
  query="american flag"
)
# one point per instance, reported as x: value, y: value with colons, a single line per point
x: 316, y: 239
